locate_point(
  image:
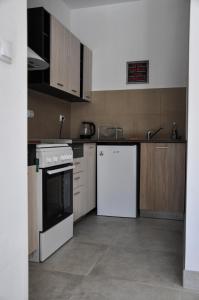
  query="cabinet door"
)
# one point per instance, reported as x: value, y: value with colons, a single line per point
x: 87, y: 74
x: 59, y: 56
x: 76, y: 205
x: 74, y: 66
x: 162, y: 181
x: 32, y: 210
x: 90, y: 173
x: 176, y: 177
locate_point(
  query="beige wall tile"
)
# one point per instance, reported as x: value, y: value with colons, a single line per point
x: 134, y: 110
x: 47, y: 109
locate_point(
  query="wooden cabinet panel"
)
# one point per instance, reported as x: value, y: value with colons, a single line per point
x: 32, y: 210
x: 90, y: 156
x: 58, y: 55
x: 84, y: 182
x: 74, y: 66
x: 58, y: 46
x: 87, y: 74
x: 162, y: 181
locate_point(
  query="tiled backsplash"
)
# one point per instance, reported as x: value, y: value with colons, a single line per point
x: 47, y: 109
x: 134, y: 110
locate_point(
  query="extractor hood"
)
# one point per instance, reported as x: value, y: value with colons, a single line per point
x: 35, y: 62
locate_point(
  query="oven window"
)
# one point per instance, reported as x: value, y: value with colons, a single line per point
x: 57, y: 198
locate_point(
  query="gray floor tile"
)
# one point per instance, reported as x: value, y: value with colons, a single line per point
x: 113, y: 289
x: 154, y: 267
x: 115, y: 258
x: 189, y: 295
x: 44, y: 285
x: 151, y: 239
x: 75, y: 258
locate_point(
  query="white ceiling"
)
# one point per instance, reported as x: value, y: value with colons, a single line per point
x: 75, y: 4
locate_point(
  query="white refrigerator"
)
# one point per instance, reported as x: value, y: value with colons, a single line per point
x: 117, y: 180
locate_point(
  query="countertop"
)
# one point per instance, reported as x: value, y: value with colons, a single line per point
x: 127, y: 141
x: 32, y: 144
x: 121, y: 141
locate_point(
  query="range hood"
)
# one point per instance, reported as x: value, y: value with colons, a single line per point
x: 35, y: 62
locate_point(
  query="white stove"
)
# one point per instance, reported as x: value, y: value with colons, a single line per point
x: 54, y: 198
x: 49, y: 155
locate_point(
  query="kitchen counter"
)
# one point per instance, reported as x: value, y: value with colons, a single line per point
x: 127, y: 141
x: 121, y: 141
x: 32, y: 144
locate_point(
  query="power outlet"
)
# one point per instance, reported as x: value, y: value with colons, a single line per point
x: 31, y: 114
x: 61, y: 118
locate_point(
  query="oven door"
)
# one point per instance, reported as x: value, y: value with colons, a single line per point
x: 57, y: 194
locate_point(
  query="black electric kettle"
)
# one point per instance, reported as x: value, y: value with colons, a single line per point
x: 87, y: 130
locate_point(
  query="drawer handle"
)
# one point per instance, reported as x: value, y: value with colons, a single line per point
x: 60, y: 84
x: 77, y: 178
x: 162, y: 147
x: 74, y: 91
x: 77, y: 193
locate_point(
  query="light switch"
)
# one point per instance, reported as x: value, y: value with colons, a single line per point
x: 6, y: 51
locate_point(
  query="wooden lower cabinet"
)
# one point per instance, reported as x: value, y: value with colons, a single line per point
x: 32, y: 209
x: 162, y: 179
x: 84, y: 182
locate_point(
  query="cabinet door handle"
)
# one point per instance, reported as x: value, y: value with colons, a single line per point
x: 162, y: 147
x: 77, y: 193
x: 60, y: 84
x: 77, y: 178
x: 77, y: 163
x: 74, y: 91
x: 88, y: 97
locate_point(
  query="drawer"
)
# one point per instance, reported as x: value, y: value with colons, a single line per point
x: 79, y: 165
x: 78, y: 180
x: 79, y: 203
x: 76, y: 204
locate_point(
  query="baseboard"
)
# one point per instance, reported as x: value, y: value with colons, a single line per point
x: 161, y: 215
x: 191, y: 280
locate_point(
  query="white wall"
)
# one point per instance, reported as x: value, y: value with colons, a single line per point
x: 145, y: 29
x: 57, y: 8
x: 13, y: 160
x: 192, y: 218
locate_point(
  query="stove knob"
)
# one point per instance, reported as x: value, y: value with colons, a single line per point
x: 62, y: 157
x: 55, y: 159
x: 48, y: 160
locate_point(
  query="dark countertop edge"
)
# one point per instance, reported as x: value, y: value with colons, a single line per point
x: 136, y: 141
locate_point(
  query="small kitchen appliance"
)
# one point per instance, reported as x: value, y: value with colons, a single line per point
x: 54, y: 163
x: 87, y: 130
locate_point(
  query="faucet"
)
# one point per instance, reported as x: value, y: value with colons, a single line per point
x: 150, y: 134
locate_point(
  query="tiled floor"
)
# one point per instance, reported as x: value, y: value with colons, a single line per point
x: 115, y: 259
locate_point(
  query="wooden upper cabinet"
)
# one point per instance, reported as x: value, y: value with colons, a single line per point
x: 62, y: 50
x: 65, y: 59
x: 162, y: 181
x: 74, y: 66
x: 87, y: 74
x: 58, y: 55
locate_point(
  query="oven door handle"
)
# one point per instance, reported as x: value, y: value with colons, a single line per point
x: 51, y: 172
